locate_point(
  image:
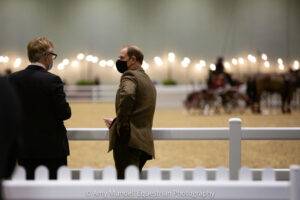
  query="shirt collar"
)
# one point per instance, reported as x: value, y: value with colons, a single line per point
x: 38, y: 64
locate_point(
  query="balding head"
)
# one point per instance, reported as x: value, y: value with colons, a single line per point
x: 134, y: 51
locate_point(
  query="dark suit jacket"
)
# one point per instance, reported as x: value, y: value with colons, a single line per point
x: 135, y: 106
x: 44, y: 109
x: 9, y: 129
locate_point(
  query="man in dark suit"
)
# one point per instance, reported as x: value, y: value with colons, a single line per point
x: 131, y: 131
x: 44, y: 139
x: 9, y: 129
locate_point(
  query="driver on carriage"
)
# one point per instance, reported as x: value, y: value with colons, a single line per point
x: 219, y: 81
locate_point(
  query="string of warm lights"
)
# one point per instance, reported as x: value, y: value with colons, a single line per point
x: 158, y: 61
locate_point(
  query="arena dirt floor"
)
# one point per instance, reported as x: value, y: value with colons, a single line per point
x: 209, y: 154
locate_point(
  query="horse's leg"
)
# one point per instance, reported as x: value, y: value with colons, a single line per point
x: 283, y: 102
x: 288, y: 95
x: 218, y: 104
x: 288, y: 102
x: 258, y: 110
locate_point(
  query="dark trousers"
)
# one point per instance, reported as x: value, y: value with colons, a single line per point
x: 125, y: 156
x: 30, y: 164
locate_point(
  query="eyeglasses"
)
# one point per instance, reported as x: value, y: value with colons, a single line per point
x: 54, y: 55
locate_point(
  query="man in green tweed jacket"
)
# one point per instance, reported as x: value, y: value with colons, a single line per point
x: 130, y: 133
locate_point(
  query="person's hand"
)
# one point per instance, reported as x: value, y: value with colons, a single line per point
x: 108, y: 122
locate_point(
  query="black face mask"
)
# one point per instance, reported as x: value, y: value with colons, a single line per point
x: 121, y: 66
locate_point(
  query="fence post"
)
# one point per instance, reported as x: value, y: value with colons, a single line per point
x: 235, y: 136
x: 295, y: 182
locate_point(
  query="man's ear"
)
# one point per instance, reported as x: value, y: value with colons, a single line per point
x: 133, y: 59
x: 42, y: 59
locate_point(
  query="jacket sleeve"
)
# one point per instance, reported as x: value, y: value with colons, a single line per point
x: 127, y: 95
x: 61, y: 106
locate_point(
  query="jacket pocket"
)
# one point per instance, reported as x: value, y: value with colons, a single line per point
x: 124, y: 133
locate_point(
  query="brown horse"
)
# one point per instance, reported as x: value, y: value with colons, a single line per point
x: 282, y: 84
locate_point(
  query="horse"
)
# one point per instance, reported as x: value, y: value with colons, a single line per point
x: 202, y: 100
x: 282, y: 84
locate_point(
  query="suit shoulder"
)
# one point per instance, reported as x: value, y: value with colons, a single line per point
x: 50, y: 77
x: 16, y: 74
x: 53, y: 76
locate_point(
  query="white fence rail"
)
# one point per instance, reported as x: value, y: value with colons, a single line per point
x: 153, y: 187
x: 234, y: 183
x: 234, y: 133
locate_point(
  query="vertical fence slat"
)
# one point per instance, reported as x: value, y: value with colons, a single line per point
x: 109, y: 173
x: 222, y: 174
x: 154, y: 174
x: 176, y: 174
x: 19, y: 174
x: 41, y: 173
x: 245, y: 174
x: 64, y: 174
x: 295, y: 182
x: 268, y: 174
x: 132, y: 173
x: 86, y: 174
x: 199, y: 174
x: 235, y: 136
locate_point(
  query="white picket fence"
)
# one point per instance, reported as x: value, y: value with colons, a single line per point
x: 234, y: 133
x: 176, y: 183
x: 153, y: 187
